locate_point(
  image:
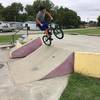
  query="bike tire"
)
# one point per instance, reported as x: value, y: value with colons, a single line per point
x: 58, y: 32
x: 46, y: 40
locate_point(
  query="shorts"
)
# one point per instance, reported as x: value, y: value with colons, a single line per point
x: 44, y: 26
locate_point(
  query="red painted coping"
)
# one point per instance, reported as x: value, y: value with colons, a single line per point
x: 67, y: 67
x: 26, y: 49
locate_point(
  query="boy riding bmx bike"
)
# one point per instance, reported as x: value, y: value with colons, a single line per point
x: 40, y: 20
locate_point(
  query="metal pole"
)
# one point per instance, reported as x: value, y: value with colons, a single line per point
x: 27, y: 30
x: 13, y: 39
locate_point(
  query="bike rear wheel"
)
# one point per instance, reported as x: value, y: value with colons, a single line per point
x: 46, y: 40
x: 58, y: 32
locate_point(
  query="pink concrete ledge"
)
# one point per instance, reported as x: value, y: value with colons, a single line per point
x: 26, y: 49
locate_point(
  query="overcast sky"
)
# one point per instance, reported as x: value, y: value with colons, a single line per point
x: 86, y: 9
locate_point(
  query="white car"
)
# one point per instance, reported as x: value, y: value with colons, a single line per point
x: 5, y: 27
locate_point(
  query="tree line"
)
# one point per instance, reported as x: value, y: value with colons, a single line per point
x: 63, y: 16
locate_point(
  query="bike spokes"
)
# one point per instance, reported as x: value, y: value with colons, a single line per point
x: 46, y: 40
x: 58, y: 33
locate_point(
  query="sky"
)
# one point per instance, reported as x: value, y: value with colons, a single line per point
x: 86, y: 9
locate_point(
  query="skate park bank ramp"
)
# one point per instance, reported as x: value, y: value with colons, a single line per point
x: 26, y: 49
x: 45, y: 62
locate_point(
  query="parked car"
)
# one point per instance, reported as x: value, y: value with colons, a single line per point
x: 5, y: 27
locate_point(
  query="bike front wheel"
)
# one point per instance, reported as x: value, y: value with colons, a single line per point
x: 58, y: 32
x: 46, y: 40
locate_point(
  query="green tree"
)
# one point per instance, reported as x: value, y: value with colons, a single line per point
x: 29, y: 9
x: 67, y: 18
x: 1, y: 10
x: 22, y: 17
x: 30, y: 18
x: 1, y: 6
x: 30, y: 12
x: 98, y: 20
x: 11, y: 13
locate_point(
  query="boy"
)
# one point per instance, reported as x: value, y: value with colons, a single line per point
x: 40, y: 20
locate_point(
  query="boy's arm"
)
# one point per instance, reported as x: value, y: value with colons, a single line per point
x: 49, y: 15
x: 38, y: 22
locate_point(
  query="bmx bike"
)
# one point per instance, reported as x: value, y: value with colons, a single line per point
x: 53, y: 29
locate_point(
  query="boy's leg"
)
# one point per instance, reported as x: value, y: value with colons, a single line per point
x: 45, y: 29
x: 47, y: 33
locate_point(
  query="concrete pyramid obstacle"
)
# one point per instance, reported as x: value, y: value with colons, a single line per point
x: 48, y: 62
x: 45, y: 62
x: 65, y: 68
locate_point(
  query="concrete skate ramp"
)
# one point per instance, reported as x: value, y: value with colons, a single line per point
x: 45, y: 62
x: 26, y: 49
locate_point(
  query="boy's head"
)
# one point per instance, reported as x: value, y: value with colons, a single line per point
x: 42, y: 8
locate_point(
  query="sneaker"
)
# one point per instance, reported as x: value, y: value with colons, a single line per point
x: 49, y: 33
x: 51, y: 38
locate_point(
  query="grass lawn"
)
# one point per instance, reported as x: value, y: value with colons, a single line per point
x: 82, y: 88
x: 7, y: 38
x: 85, y: 31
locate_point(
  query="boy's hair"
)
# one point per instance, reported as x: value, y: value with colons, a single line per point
x: 41, y: 8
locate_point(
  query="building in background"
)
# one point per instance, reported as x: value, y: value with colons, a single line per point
x: 31, y: 25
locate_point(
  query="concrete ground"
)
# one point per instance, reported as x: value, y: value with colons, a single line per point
x: 50, y: 89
